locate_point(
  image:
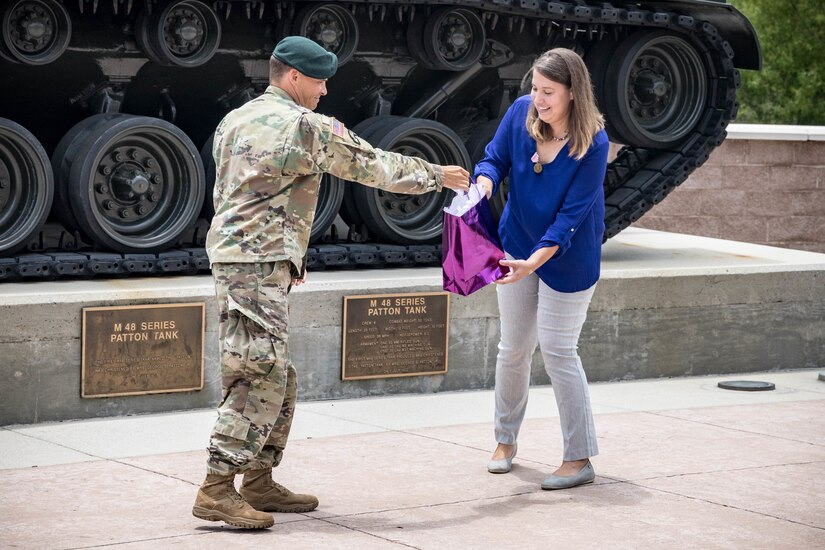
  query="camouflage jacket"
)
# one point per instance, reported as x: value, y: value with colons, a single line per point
x: 269, y: 156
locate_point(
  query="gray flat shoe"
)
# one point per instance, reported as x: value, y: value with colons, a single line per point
x: 503, y: 465
x: 586, y: 475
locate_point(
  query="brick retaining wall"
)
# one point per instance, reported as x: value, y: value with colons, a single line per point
x: 764, y: 185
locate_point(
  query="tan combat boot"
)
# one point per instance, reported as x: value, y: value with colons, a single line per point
x: 218, y: 500
x: 263, y: 494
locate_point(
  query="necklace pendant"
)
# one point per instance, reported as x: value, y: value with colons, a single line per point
x: 537, y: 168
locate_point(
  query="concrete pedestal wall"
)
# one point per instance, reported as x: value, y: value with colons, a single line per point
x: 765, y: 184
x: 667, y: 305
x: 40, y: 342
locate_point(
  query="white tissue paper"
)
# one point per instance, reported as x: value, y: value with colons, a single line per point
x: 463, y: 202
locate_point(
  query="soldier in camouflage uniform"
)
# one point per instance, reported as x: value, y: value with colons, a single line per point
x: 270, y: 155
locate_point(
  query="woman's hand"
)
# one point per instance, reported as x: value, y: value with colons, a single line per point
x: 456, y: 178
x: 486, y: 184
x: 519, y: 269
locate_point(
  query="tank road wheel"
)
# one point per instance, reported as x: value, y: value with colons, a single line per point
x: 35, y: 32
x: 185, y: 33
x: 61, y: 162
x: 331, y: 26
x: 349, y: 213
x: 134, y: 184
x: 598, y: 60
x: 210, y: 173
x: 452, y: 39
x: 660, y: 88
x: 26, y: 186
x: 408, y: 219
x: 330, y: 197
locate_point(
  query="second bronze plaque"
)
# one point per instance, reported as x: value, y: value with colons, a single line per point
x: 389, y: 335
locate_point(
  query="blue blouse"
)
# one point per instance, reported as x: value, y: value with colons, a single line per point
x: 563, y: 205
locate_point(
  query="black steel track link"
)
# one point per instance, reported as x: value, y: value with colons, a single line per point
x: 635, y: 181
x: 191, y: 261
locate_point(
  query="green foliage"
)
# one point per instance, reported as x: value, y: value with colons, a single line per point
x: 790, y: 88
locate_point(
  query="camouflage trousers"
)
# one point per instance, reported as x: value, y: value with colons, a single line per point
x: 257, y: 377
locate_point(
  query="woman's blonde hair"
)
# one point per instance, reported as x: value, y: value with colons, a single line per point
x: 567, y: 67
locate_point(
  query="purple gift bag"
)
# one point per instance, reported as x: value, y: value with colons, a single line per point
x: 470, y: 250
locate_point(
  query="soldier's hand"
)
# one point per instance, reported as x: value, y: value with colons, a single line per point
x: 456, y: 178
x: 301, y: 279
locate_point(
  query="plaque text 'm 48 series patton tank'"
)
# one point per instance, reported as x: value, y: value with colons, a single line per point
x: 107, y: 109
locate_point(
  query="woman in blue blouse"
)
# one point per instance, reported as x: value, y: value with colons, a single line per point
x: 553, y: 146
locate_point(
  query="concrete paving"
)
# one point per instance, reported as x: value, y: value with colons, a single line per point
x: 683, y: 464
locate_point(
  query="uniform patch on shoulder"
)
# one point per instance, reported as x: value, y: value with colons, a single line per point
x: 338, y: 127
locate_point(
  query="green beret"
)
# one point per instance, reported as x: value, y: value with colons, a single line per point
x: 307, y: 56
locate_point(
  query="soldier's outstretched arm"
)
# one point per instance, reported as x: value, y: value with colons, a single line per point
x: 339, y: 151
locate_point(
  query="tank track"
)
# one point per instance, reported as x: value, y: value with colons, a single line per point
x: 636, y: 180
x: 191, y: 261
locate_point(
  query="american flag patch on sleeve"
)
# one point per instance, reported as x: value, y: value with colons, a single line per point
x: 338, y: 127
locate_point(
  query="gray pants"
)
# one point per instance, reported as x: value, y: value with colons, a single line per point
x: 531, y: 312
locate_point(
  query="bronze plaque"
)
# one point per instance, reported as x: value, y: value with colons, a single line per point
x: 389, y: 335
x: 135, y: 350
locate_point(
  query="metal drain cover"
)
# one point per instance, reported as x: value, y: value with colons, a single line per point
x: 746, y: 385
